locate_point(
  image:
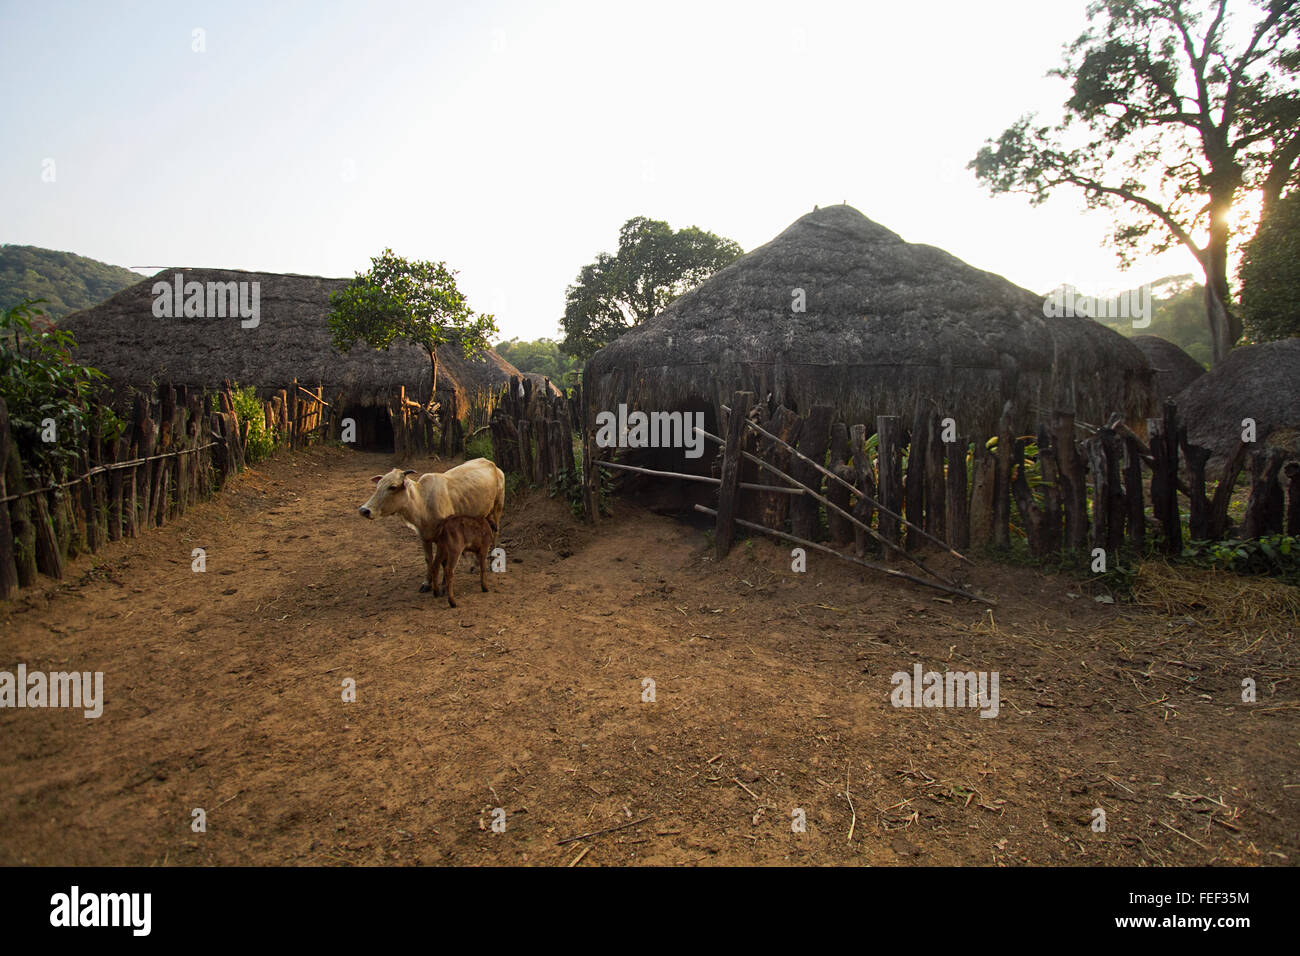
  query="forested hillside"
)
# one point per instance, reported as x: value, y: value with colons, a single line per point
x: 66, y: 281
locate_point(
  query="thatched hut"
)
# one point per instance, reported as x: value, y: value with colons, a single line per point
x: 1260, y: 382
x: 887, y: 324
x: 125, y: 338
x: 1174, y: 368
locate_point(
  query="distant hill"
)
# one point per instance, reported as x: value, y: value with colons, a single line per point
x: 66, y: 281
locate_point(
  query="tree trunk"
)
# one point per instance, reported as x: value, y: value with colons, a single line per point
x: 1225, y: 328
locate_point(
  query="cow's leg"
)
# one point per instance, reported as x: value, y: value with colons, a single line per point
x: 429, y: 568
x: 452, y: 558
x: 482, y: 570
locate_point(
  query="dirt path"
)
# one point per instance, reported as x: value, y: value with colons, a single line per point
x: 224, y: 692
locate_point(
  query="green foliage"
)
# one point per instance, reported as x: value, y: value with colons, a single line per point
x: 414, y: 301
x: 63, y: 282
x: 41, y: 383
x: 1270, y: 274
x: 479, y: 446
x: 259, y: 441
x: 1277, y: 555
x: 653, y: 266
x: 1177, y: 316
x: 542, y: 357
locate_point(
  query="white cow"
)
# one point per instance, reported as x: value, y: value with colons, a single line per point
x: 476, y: 488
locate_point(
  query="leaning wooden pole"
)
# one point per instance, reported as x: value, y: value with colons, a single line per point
x: 853, y: 519
x: 892, y: 572
x: 861, y: 494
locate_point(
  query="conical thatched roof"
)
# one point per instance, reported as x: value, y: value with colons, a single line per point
x: 124, y: 339
x: 887, y: 323
x: 1174, y: 368
x: 1255, y: 381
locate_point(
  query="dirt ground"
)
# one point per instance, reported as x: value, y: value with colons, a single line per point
x: 224, y: 691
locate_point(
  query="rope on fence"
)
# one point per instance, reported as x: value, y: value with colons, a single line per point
x: 100, y: 469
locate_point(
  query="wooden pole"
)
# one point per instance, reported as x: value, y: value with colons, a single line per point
x: 892, y: 427
x: 892, y: 572
x: 830, y: 505
x: 8, y: 565
x: 729, y: 486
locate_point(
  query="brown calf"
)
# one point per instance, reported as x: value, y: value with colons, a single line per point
x: 454, y: 536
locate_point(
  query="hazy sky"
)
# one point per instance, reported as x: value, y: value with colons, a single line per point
x: 513, y: 139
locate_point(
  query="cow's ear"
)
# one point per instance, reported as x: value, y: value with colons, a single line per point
x: 409, y: 471
x: 377, y: 479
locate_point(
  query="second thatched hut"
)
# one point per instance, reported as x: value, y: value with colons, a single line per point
x: 839, y: 310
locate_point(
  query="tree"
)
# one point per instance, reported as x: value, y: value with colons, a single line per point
x: 416, y: 301
x: 542, y: 357
x: 1170, y: 123
x: 1270, y: 274
x: 653, y: 266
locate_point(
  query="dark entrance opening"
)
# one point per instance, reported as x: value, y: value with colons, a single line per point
x: 374, y: 428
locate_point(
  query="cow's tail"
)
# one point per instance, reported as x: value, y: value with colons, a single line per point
x: 492, y: 523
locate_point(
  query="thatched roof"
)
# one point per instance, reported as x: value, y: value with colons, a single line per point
x: 124, y: 339
x: 1174, y: 368
x: 887, y: 323
x: 1255, y: 381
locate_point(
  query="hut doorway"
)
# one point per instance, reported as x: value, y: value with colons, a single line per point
x: 374, y: 428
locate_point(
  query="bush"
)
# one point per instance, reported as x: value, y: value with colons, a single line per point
x: 259, y: 441
x: 51, y: 399
x: 479, y: 446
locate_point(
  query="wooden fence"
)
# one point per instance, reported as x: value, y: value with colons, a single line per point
x: 923, y: 485
x: 178, y: 446
x: 532, y: 431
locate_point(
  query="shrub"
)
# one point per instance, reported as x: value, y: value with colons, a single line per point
x: 259, y: 441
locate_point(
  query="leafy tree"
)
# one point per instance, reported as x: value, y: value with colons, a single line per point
x: 1270, y: 274
x: 542, y: 357
x: 415, y: 301
x: 652, y: 267
x: 1169, y: 120
x: 51, y: 399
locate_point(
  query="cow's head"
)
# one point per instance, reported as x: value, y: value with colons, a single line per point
x: 390, y: 492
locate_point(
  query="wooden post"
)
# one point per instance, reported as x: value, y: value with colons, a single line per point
x: 918, y: 446
x: 1265, y: 509
x: 1292, y: 471
x: 1223, y: 491
x: 1051, y: 487
x: 864, y: 479
x: 957, y: 517
x: 732, y: 456
x: 591, y: 475
x: 1163, y: 435
x: 890, y: 474
x: 8, y: 564
x: 814, y: 438
x: 1198, y: 518
x: 785, y: 425
x: 1136, y: 516
x: 1031, y: 516
x: 936, y: 491
x: 1070, y: 469
x: 527, y: 466
x: 49, y: 554
x: 840, y: 529
x: 1002, y: 479
x: 983, y: 487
